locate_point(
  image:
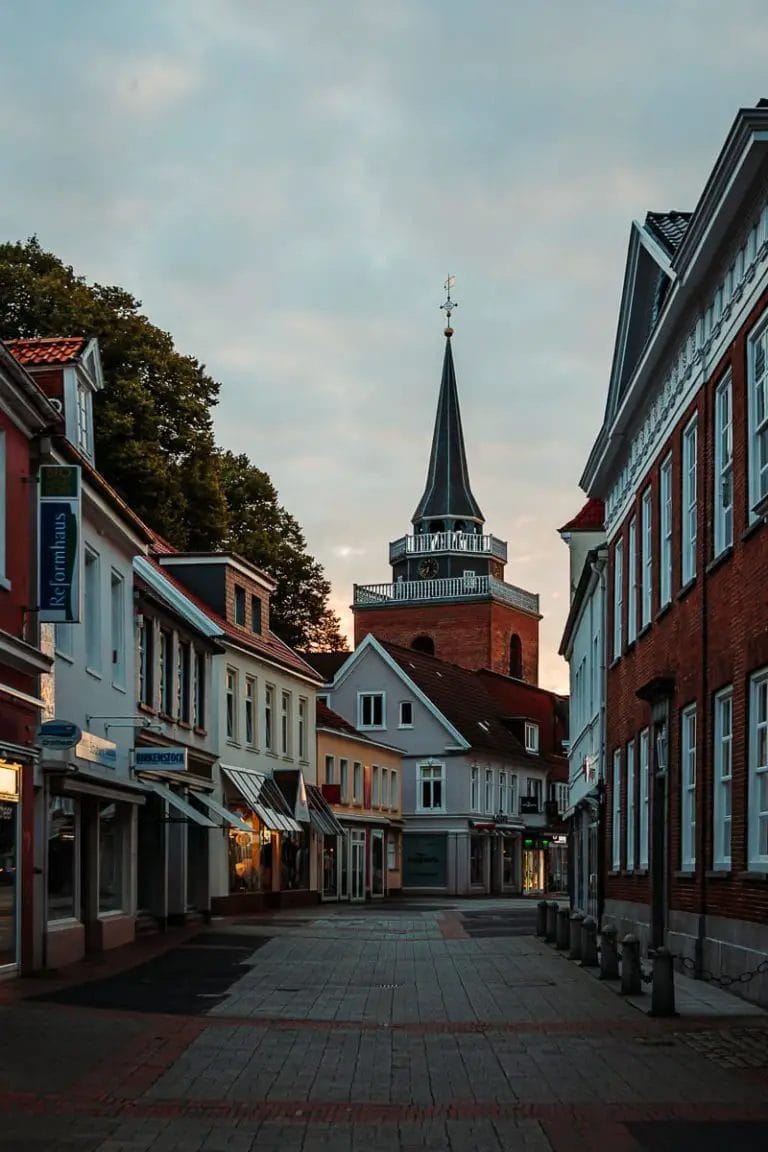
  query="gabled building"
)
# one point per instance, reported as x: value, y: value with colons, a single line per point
x: 681, y: 463
x: 447, y: 596
x: 475, y: 771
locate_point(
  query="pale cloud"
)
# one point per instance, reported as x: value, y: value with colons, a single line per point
x: 148, y: 86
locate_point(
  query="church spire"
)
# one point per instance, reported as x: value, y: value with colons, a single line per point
x: 447, y: 495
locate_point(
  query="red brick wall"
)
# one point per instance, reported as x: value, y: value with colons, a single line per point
x: 712, y: 635
x: 473, y: 635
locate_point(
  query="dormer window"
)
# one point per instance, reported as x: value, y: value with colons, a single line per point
x: 84, y: 419
x: 531, y: 737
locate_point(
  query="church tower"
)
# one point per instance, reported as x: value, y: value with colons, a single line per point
x: 448, y: 596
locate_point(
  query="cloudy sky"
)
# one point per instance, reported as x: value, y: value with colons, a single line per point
x: 287, y: 184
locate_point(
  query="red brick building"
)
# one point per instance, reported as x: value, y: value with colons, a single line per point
x: 448, y: 596
x: 682, y: 465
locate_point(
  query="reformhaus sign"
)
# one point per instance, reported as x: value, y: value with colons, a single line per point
x: 59, y: 526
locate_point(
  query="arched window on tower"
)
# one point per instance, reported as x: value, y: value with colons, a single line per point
x: 516, y: 657
x: 424, y: 644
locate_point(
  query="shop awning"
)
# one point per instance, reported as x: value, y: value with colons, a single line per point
x: 179, y: 804
x: 321, y: 815
x: 264, y: 798
x: 223, y: 813
x: 101, y: 784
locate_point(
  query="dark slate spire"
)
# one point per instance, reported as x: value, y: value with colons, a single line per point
x: 447, y: 495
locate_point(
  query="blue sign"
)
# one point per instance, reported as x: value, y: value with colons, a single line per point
x: 58, y: 564
x: 58, y: 734
x: 168, y: 758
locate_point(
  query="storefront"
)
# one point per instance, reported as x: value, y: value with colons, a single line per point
x: 331, y: 845
x: 425, y: 860
x: 10, y: 862
x: 545, y: 862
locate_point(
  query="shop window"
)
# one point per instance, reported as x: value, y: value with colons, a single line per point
x: 294, y: 860
x: 250, y: 855
x: 63, y: 857
x: 112, y: 846
x: 477, y: 860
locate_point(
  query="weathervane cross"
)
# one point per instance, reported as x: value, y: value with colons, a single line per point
x: 450, y: 305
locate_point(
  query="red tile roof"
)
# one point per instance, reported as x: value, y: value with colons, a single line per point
x: 591, y: 518
x: 44, y: 350
x: 327, y: 718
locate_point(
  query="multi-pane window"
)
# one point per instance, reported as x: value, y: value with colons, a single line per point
x: 758, y: 419
x: 285, y: 723
x: 83, y: 422
x: 269, y: 717
x: 430, y: 787
x: 689, y: 504
x: 616, y: 811
x: 534, y: 788
x: 632, y: 581
x: 474, y: 789
x: 758, y: 773
x: 688, y: 789
x: 723, y: 761
x: 146, y: 662
x: 394, y: 799
x: 92, y: 611
x: 665, y: 532
x: 166, y: 672
x: 344, y: 780
x: 231, y: 704
x: 618, y: 597
x: 250, y: 711
x: 513, y: 795
x: 488, y: 790
x: 646, y: 587
x: 330, y: 770
x: 723, y: 510
x: 502, y: 792
x: 117, y: 612
x: 385, y: 788
x: 375, y: 794
x: 200, y: 690
x: 302, y: 728
x: 357, y: 782
x: 239, y: 605
x: 645, y: 797
x: 406, y: 714
x: 184, y: 681
x: 630, y: 856
x: 531, y: 736
x: 370, y: 707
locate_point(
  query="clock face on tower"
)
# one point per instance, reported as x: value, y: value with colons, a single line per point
x: 428, y: 569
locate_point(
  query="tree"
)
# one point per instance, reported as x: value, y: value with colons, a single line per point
x: 263, y: 532
x: 153, y: 425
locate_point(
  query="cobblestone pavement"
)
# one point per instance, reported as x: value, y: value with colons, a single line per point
x: 380, y: 1029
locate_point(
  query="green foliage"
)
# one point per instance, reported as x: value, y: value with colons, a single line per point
x: 154, y: 436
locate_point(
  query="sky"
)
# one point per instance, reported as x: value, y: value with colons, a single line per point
x: 286, y: 185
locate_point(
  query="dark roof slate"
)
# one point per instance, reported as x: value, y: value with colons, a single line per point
x: 669, y: 228
x: 326, y: 663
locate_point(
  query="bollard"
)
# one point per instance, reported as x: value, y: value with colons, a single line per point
x: 609, y: 956
x: 663, y: 986
x: 552, y: 908
x: 541, y: 918
x: 563, y: 929
x: 589, y: 942
x: 574, y: 950
x: 631, y: 983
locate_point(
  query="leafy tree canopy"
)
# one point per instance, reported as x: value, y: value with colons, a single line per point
x: 155, y: 440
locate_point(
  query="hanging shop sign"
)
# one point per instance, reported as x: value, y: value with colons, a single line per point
x: 529, y: 806
x: 96, y: 750
x: 58, y: 734
x: 59, y: 544
x: 154, y: 759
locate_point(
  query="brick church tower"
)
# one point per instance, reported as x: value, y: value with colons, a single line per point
x: 448, y: 595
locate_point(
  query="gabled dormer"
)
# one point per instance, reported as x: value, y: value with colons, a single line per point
x: 235, y: 589
x: 68, y: 369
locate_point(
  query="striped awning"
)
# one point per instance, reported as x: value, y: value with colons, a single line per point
x: 321, y: 815
x: 263, y: 797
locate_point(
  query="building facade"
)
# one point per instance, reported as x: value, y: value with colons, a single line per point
x: 682, y: 465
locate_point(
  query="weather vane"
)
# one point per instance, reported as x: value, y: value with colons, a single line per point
x: 450, y: 305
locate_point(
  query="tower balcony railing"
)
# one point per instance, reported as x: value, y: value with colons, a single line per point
x: 449, y: 588
x: 432, y: 542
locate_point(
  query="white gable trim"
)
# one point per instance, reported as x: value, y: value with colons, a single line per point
x: 175, y: 599
x: 370, y: 641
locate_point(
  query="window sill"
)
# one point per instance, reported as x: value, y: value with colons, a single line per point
x: 614, y: 872
x: 642, y: 873
x: 146, y: 708
x: 5, y: 584
x: 686, y: 588
x: 251, y: 748
x: 631, y: 644
x: 112, y: 913
x: 270, y: 753
x: 166, y: 718
x: 750, y: 531
x: 720, y: 873
x: 404, y: 727
x: 684, y: 874
x: 614, y: 661
x: 233, y: 744
x: 288, y: 759
x: 93, y: 672
x: 663, y: 610
x: 64, y: 923
x: 371, y: 727
x: 198, y: 731
x: 721, y: 558
x: 645, y: 629
x: 184, y: 724
x: 755, y: 874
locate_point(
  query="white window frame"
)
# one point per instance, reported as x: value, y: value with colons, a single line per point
x: 723, y: 495
x: 758, y: 771
x: 644, y: 783
x: 394, y: 801
x: 434, y: 771
x: 344, y: 779
x: 385, y: 788
x: 166, y: 671
x: 474, y: 788
x: 251, y: 700
x: 630, y: 854
x: 357, y: 782
x: 405, y: 723
x: 534, y: 788
x: 362, y: 697
x: 688, y: 789
x: 200, y: 689
x: 488, y: 794
x: 231, y: 690
x: 502, y: 791
x: 183, y: 706
x: 618, y: 598
x: 92, y: 597
x: 616, y: 812
x: 269, y: 717
x: 689, y: 505
x: 531, y: 737
x: 303, y: 715
x: 722, y: 798
x: 632, y: 580
x: 512, y: 794
x: 757, y: 415
x: 117, y: 627
x: 286, y: 721
x: 82, y: 395
x: 665, y: 532
x: 646, y: 574
x: 375, y: 786
x: 330, y: 769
